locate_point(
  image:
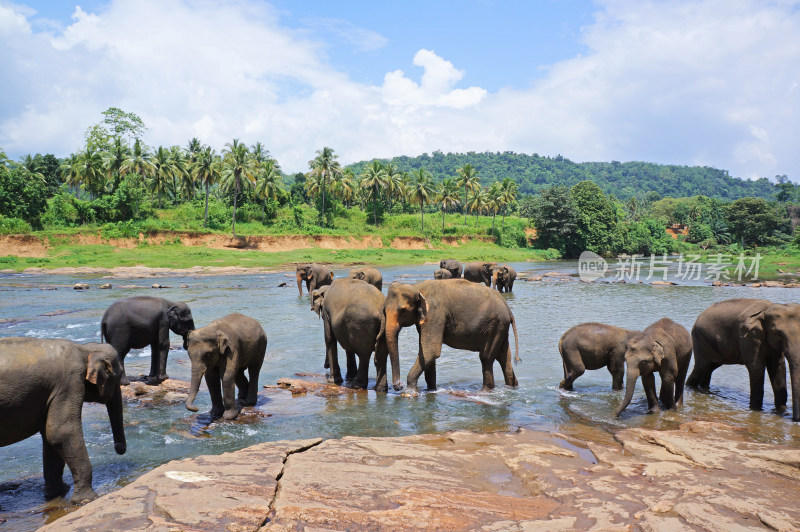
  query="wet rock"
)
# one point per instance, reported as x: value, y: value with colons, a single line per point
x: 663, y: 283
x: 300, y: 386
x: 536, y: 278
x: 156, y: 285
x: 170, y: 391
x: 281, y: 285
x: 754, y: 285
x: 106, y: 286
x: 184, y: 286
x: 81, y: 286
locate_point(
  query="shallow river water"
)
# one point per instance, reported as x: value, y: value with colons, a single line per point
x: 543, y: 310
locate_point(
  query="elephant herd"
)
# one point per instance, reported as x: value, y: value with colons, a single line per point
x: 43, y: 382
x: 757, y: 333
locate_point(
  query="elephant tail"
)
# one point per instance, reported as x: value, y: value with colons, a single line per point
x: 103, y: 335
x: 516, y: 341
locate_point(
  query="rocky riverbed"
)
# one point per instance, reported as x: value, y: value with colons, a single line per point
x: 704, y: 476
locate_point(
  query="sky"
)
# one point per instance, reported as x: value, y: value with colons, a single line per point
x: 700, y: 82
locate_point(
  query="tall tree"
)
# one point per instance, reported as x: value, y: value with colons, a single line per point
x: 495, y: 200
x: 269, y: 181
x: 447, y: 196
x: 325, y: 166
x: 139, y: 161
x: 236, y: 159
x: 163, y: 173
x: 91, y: 171
x: 373, y: 179
x: 207, y: 171
x: 69, y: 171
x: 554, y: 215
x: 115, y: 160
x: 467, y: 178
x: 509, y: 188
x: 421, y: 191
x: 477, y: 202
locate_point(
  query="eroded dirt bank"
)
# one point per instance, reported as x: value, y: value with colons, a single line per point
x: 704, y: 476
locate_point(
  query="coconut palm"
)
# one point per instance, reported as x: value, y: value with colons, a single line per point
x: 163, y: 173
x: 373, y: 178
x: 325, y: 166
x: 4, y: 160
x: 193, y: 148
x: 467, y: 178
x: 509, y: 188
x: 29, y: 164
x: 237, y: 169
x: 421, y: 191
x: 477, y: 202
x: 269, y: 181
x: 139, y: 161
x: 494, y: 200
x: 69, y: 171
x: 207, y: 171
x: 115, y: 160
x: 393, y: 182
x: 447, y: 196
x: 182, y: 176
x: 90, y: 171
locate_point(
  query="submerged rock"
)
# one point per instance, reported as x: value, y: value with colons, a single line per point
x: 81, y: 286
x: 170, y: 391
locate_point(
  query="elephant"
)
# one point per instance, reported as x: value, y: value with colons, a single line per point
x: 221, y: 351
x: 317, y: 297
x: 757, y: 333
x: 594, y: 346
x: 314, y: 275
x: 370, y: 275
x: 479, y: 272
x: 458, y: 313
x: 43, y: 385
x: 666, y: 347
x: 136, y: 322
x: 441, y: 273
x: 352, y: 313
x: 453, y: 266
x: 503, y: 278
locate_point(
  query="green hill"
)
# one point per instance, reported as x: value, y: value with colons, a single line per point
x: 623, y: 180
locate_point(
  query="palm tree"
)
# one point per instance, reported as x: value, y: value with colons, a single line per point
x: 494, y: 200
x: 374, y: 177
x: 509, y: 188
x: 269, y: 181
x: 326, y: 167
x: 139, y: 161
x: 447, y: 196
x: 477, y: 203
x: 193, y: 148
x: 346, y: 186
x: 29, y: 164
x: 207, y: 171
x: 4, y: 160
x: 236, y: 158
x: 420, y: 191
x: 394, y: 182
x: 115, y: 160
x: 467, y: 178
x: 90, y: 170
x: 69, y: 171
x: 163, y: 172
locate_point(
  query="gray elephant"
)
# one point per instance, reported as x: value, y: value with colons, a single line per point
x: 594, y: 346
x: 503, y: 278
x: 479, y: 272
x: 136, y: 322
x: 352, y: 313
x: 757, y: 333
x: 317, y: 297
x: 221, y: 351
x: 43, y: 385
x: 441, y: 274
x: 370, y: 275
x: 314, y: 275
x: 453, y: 266
x: 458, y: 313
x: 665, y: 347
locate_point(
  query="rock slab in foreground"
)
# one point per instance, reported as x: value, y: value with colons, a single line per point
x: 702, y: 477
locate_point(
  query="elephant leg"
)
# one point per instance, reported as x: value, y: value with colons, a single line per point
x: 681, y: 378
x: 776, y: 369
x: 667, y: 395
x: 430, y: 348
x: 381, y: 356
x: 617, y: 370
x: 362, y: 376
x: 352, y: 366
x: 252, y: 386
x: 67, y: 442
x: 413, y: 374
x: 496, y: 348
x: 332, y: 354
x: 508, y: 368
x: 649, y: 383
x: 54, y: 485
x: 756, y: 371
x: 122, y: 352
x: 430, y: 375
x: 162, y: 358
x: 488, y: 372
x: 215, y: 391
x: 573, y: 368
x: 229, y: 394
x: 241, y: 386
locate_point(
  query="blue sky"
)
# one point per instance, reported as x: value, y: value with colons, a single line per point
x: 707, y: 82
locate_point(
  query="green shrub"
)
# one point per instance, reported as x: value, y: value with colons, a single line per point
x: 13, y: 226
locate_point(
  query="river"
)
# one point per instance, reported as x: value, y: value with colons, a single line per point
x: 30, y: 306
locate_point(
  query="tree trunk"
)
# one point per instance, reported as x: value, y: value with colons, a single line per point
x: 205, y: 223
x: 375, y: 204
x: 422, y: 213
x: 324, y: 221
x: 493, y: 217
x: 444, y: 211
x: 465, y: 204
x: 235, y: 196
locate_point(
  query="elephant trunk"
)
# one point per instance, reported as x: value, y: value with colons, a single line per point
x: 794, y: 376
x: 114, y: 408
x: 494, y: 279
x: 197, y: 376
x: 392, y: 333
x: 299, y: 285
x: 633, y: 376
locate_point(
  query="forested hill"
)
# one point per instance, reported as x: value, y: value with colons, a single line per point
x: 623, y: 180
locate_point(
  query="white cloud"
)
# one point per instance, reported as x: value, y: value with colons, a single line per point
x: 685, y: 82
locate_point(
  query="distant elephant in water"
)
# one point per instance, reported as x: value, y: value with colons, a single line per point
x: 453, y: 266
x: 665, y: 347
x: 136, y: 322
x: 370, y: 275
x: 503, y: 278
x: 594, y: 346
x: 314, y: 275
x: 221, y: 351
x: 757, y: 333
x: 441, y: 273
x: 43, y: 385
x: 352, y: 313
x: 479, y: 272
x: 458, y: 313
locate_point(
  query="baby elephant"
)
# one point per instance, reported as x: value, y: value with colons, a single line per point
x: 441, y: 273
x: 503, y: 278
x: 370, y: 275
x: 594, y: 346
x: 665, y: 347
x: 221, y: 351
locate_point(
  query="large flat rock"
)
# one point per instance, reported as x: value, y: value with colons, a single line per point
x: 704, y: 476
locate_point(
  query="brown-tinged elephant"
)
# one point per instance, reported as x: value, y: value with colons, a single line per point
x: 441, y: 274
x: 453, y: 266
x: 352, y: 314
x: 479, y: 272
x: 665, y: 347
x: 594, y: 346
x: 370, y: 275
x: 136, y: 322
x: 221, y: 351
x: 315, y: 275
x: 458, y: 313
x: 43, y: 385
x: 757, y: 333
x: 317, y: 297
x: 503, y: 278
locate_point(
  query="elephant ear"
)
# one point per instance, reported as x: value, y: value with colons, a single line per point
x: 173, y: 316
x: 223, y: 344
x: 331, y: 277
x: 422, y: 308
x: 98, y: 372
x: 751, y: 336
x: 658, y: 353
